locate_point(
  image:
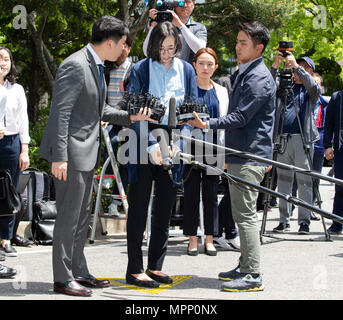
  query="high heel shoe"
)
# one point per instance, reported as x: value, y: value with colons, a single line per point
x: 210, y: 252
x: 192, y: 252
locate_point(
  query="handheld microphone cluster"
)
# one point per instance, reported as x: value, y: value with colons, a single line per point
x: 185, y: 111
x: 136, y: 102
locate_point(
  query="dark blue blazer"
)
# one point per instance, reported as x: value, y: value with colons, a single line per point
x: 334, y: 122
x: 250, y: 120
x: 139, y: 83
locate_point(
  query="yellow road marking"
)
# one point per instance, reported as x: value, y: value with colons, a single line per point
x: 176, y: 280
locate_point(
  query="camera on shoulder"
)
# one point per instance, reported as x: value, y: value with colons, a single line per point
x: 164, y: 5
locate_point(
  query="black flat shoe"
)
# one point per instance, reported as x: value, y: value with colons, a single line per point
x: 210, y: 252
x: 192, y: 252
x: 161, y: 279
x: 141, y: 283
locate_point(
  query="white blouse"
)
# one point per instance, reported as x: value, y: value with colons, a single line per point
x: 3, y: 99
x: 17, y: 121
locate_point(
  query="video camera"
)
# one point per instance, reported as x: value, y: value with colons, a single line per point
x: 286, y: 78
x: 136, y: 102
x: 184, y: 112
x: 163, y: 6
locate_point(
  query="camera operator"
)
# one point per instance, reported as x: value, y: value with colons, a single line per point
x: 193, y: 34
x: 306, y: 93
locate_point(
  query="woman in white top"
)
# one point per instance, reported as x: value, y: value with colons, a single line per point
x: 14, y: 146
x: 217, y: 100
x: 3, y: 100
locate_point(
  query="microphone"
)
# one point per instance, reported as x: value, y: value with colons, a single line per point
x: 167, y: 162
x: 172, y: 113
x: 163, y: 138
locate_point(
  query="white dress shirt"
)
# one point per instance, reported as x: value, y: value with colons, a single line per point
x: 17, y: 121
x: 3, y: 100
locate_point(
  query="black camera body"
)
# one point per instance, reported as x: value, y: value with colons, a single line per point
x: 184, y: 112
x: 286, y: 78
x: 164, y: 5
x: 285, y: 46
x: 136, y: 102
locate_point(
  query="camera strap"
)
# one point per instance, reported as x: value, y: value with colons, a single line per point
x: 283, y: 142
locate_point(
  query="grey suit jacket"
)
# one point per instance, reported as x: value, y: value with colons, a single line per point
x: 78, y: 105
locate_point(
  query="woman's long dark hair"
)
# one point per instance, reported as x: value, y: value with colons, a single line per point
x: 160, y: 32
x: 12, y: 75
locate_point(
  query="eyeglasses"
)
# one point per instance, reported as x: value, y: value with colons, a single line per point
x: 170, y: 51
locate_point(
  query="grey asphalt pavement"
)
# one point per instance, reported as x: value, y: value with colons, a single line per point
x: 300, y: 267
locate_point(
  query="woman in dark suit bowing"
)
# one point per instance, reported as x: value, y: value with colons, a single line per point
x: 163, y: 75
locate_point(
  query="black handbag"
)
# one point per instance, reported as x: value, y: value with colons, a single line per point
x: 10, y: 202
x: 42, y: 227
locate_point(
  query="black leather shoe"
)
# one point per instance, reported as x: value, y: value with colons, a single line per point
x: 8, y: 250
x: 92, y: 282
x: 6, y: 272
x: 141, y: 283
x: 21, y: 242
x: 161, y: 279
x: 72, y: 288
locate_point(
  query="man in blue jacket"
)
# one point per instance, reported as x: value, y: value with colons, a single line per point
x: 333, y: 127
x: 249, y: 128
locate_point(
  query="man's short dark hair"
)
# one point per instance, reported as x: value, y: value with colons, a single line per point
x: 160, y: 32
x: 108, y: 27
x: 257, y: 31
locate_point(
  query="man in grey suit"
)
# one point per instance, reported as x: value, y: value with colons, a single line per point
x: 72, y: 142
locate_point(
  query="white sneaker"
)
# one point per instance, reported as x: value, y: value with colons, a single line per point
x: 234, y: 243
x: 113, y: 209
x: 223, y: 243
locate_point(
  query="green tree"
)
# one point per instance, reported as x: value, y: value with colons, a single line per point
x: 222, y: 17
x: 316, y: 29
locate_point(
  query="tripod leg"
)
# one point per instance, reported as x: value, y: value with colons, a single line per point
x: 270, y: 177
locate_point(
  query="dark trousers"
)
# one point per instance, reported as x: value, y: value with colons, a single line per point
x: 209, y: 183
x: 226, y: 223
x: 139, y: 196
x: 74, y: 207
x: 338, y: 198
x: 10, y: 149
